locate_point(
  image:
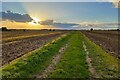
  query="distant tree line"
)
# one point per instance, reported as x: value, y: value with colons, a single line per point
x: 113, y: 30
x: 4, y: 29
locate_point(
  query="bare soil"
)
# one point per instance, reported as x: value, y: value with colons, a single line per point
x: 17, y: 49
x: 14, y: 36
x: 108, y: 40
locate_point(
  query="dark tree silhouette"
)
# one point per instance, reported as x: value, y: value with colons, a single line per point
x: 50, y: 30
x: 91, y: 29
x: 4, y: 29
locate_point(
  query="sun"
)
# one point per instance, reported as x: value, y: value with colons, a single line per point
x: 35, y: 21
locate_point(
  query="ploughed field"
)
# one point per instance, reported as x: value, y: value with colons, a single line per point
x: 108, y: 40
x: 18, y: 43
x: 58, y: 54
x: 14, y: 36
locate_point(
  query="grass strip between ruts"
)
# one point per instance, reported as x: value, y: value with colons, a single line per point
x: 106, y: 65
x: 73, y: 61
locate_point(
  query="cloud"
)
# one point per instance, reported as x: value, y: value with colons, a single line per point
x: 116, y: 3
x: 58, y: 25
x: 97, y: 26
x: 15, y: 17
x: 65, y: 25
x: 46, y: 22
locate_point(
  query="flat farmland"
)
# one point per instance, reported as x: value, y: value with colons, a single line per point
x: 108, y: 40
x: 18, y: 43
x: 13, y: 36
x: 60, y: 54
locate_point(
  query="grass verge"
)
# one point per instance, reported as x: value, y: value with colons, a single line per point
x: 106, y: 65
x: 34, y: 61
x: 73, y: 61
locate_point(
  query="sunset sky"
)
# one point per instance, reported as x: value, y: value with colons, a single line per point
x: 70, y: 13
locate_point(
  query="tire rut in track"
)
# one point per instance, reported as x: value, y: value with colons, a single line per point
x: 92, y: 70
x: 51, y: 67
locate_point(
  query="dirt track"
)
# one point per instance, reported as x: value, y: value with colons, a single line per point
x: 90, y: 67
x: 55, y: 60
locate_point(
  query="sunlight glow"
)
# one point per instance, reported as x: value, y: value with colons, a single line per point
x: 35, y: 21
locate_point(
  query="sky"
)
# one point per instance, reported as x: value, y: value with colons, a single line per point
x: 61, y: 12
x: 60, y: 0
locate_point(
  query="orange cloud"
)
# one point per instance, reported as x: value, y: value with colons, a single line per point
x: 20, y: 25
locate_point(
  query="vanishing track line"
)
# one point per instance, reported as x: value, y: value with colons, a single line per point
x: 92, y: 70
